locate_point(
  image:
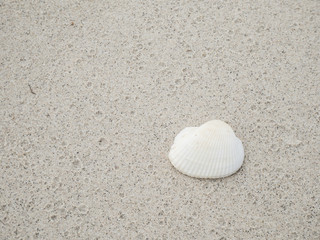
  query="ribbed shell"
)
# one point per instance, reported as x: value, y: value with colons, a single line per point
x: 209, y: 151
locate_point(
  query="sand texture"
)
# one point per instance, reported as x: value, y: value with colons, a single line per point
x: 94, y: 92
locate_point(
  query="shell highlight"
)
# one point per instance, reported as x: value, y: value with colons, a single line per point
x: 209, y: 151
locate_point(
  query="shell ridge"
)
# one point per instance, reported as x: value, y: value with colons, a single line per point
x: 241, y: 151
x: 231, y: 158
x: 184, y: 166
x: 181, y: 156
x: 187, y: 161
x: 214, y: 157
x: 232, y: 165
x: 203, y: 164
x: 179, y: 151
x: 207, y: 155
x: 188, y: 158
x: 224, y: 156
x: 236, y: 154
x: 218, y: 168
x: 214, y: 144
x: 195, y: 158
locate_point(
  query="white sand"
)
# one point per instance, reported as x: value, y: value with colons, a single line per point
x: 93, y: 94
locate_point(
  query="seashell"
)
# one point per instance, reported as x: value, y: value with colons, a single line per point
x: 209, y: 151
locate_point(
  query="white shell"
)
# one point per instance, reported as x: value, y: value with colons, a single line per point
x: 209, y: 151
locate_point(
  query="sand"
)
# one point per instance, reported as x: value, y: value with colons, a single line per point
x: 94, y: 92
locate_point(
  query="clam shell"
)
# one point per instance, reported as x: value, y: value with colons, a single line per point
x: 209, y: 151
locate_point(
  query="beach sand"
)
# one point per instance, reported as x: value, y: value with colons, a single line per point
x: 94, y: 92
